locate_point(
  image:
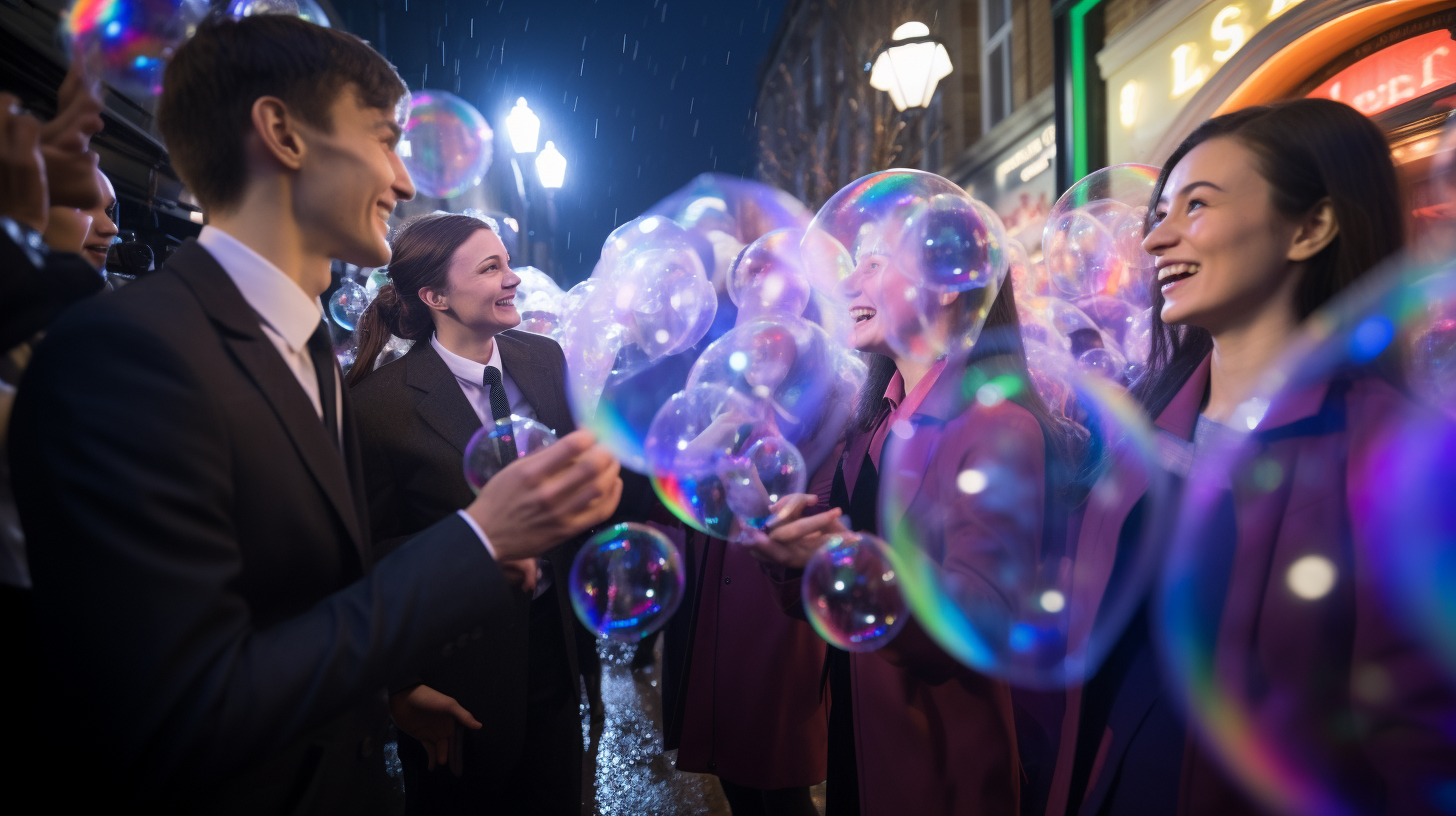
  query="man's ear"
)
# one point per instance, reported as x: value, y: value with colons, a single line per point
x: 433, y: 299
x: 277, y: 132
x: 1315, y: 232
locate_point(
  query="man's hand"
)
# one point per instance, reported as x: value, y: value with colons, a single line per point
x: 435, y: 720
x: 790, y: 539
x: 521, y: 574
x: 23, y: 194
x: 539, y: 501
x: 65, y: 142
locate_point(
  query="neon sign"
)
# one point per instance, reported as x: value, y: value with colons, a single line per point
x: 1396, y: 74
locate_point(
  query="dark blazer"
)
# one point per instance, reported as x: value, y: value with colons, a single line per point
x: 414, y: 424
x: 209, y: 618
x: 32, y: 294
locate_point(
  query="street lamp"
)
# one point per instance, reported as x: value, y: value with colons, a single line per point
x: 524, y: 127
x: 910, y: 67
x: 551, y: 167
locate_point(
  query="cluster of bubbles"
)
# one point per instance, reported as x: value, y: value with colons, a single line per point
x: 127, y: 43
x: 538, y: 300
x: 446, y: 144
x: 626, y: 582
x: 1087, y: 304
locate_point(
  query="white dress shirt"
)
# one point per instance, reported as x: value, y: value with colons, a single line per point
x: 288, y: 318
x: 471, y: 376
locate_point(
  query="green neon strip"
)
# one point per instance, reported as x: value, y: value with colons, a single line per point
x: 1080, y: 160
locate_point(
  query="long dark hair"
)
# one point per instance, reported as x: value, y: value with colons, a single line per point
x: 421, y: 259
x: 1308, y: 150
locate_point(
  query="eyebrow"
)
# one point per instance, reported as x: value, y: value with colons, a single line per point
x: 1190, y: 187
x: 488, y: 259
x: 393, y: 127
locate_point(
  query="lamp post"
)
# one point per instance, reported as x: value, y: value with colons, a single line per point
x: 909, y: 68
x: 524, y: 128
x: 551, y: 171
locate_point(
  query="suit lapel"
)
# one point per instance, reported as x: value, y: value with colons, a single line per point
x: 444, y: 406
x: 257, y: 356
x: 541, y: 383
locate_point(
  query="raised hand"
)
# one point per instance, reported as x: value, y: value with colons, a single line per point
x: 791, y: 537
x: 23, y: 193
x: 65, y: 142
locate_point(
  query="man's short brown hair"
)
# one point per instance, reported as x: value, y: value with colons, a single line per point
x: 205, y: 112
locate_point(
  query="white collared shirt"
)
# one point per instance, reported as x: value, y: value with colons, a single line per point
x: 471, y: 376
x: 288, y: 318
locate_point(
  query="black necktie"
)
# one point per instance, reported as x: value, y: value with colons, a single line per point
x: 500, y: 409
x: 321, y: 350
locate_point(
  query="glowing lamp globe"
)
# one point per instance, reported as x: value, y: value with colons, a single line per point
x: 910, y: 69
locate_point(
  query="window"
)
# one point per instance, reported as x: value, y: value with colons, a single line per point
x: 995, y: 62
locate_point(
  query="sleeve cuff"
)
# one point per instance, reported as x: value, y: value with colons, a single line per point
x: 479, y: 532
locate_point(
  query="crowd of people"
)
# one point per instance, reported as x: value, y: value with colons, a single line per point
x: 245, y: 572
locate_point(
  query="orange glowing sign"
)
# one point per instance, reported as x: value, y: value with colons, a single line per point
x: 1393, y: 75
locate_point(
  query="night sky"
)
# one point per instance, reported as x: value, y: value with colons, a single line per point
x: 639, y: 95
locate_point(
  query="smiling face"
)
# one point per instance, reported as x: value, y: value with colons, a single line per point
x: 103, y: 229
x: 350, y: 180
x: 864, y: 289
x: 1223, y: 250
x: 480, y: 293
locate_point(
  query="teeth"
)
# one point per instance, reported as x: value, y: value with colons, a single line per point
x: 861, y: 312
x: 1172, y: 270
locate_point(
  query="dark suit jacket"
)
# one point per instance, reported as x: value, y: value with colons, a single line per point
x: 31, y: 296
x: 414, y: 424
x: 212, y: 624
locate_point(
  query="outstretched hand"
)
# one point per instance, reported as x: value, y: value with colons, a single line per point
x: 435, y: 720
x: 546, y: 498
x: 791, y: 538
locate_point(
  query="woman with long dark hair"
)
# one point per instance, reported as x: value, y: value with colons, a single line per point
x: 911, y: 730
x: 494, y: 722
x: 1258, y: 219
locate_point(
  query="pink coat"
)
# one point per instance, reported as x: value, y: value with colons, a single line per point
x: 753, y: 712
x: 1396, y: 749
x: 932, y: 736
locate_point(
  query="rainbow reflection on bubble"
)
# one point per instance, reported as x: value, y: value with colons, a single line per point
x: 1092, y: 241
x: 626, y: 582
x: 127, y: 43
x: 447, y: 145
x: 1355, y: 412
x: 851, y: 593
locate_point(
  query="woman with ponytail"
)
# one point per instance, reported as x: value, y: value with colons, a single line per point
x: 494, y: 721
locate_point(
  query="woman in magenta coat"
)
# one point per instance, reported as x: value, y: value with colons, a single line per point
x: 911, y: 729
x: 1259, y: 218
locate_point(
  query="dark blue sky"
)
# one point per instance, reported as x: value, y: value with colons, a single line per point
x: 640, y: 95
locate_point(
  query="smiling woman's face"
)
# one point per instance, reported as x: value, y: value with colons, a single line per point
x: 1222, y: 247
x: 481, y: 288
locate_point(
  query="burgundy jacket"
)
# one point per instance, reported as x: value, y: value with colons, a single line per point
x: 932, y: 736
x: 1388, y: 759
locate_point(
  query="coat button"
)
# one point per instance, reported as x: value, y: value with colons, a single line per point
x: 728, y: 580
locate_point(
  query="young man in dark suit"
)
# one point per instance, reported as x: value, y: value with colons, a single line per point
x: 213, y: 628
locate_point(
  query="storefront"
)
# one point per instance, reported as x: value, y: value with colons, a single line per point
x: 1013, y: 172
x: 1184, y: 61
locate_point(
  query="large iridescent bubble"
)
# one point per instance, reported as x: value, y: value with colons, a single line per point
x: 976, y: 495
x: 851, y: 593
x: 626, y: 582
x: 127, y: 43
x: 1093, y: 236
x: 496, y: 445
x: 805, y: 381
x: 1308, y: 606
x: 447, y: 145
x: 348, y: 303
x: 309, y: 10
x: 717, y: 463
x: 538, y: 300
x: 628, y: 342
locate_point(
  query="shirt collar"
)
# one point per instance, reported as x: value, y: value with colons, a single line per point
x: 467, y: 369
x: 277, y: 298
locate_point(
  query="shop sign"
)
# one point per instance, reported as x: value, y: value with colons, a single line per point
x: 1396, y: 74
x: 1020, y: 186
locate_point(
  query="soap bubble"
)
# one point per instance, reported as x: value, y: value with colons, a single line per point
x: 628, y: 344
x: 446, y: 146
x: 953, y: 243
x: 1307, y: 605
x: 717, y: 464
x: 496, y: 445
x: 127, y: 43
x: 769, y: 277
x: 347, y: 305
x: 538, y: 299
x: 806, y: 382
x: 376, y: 280
x: 851, y: 593
x: 626, y: 582
x: 740, y: 209
x: 976, y: 512
x: 649, y: 232
x: 1093, y: 235
x: 309, y: 10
